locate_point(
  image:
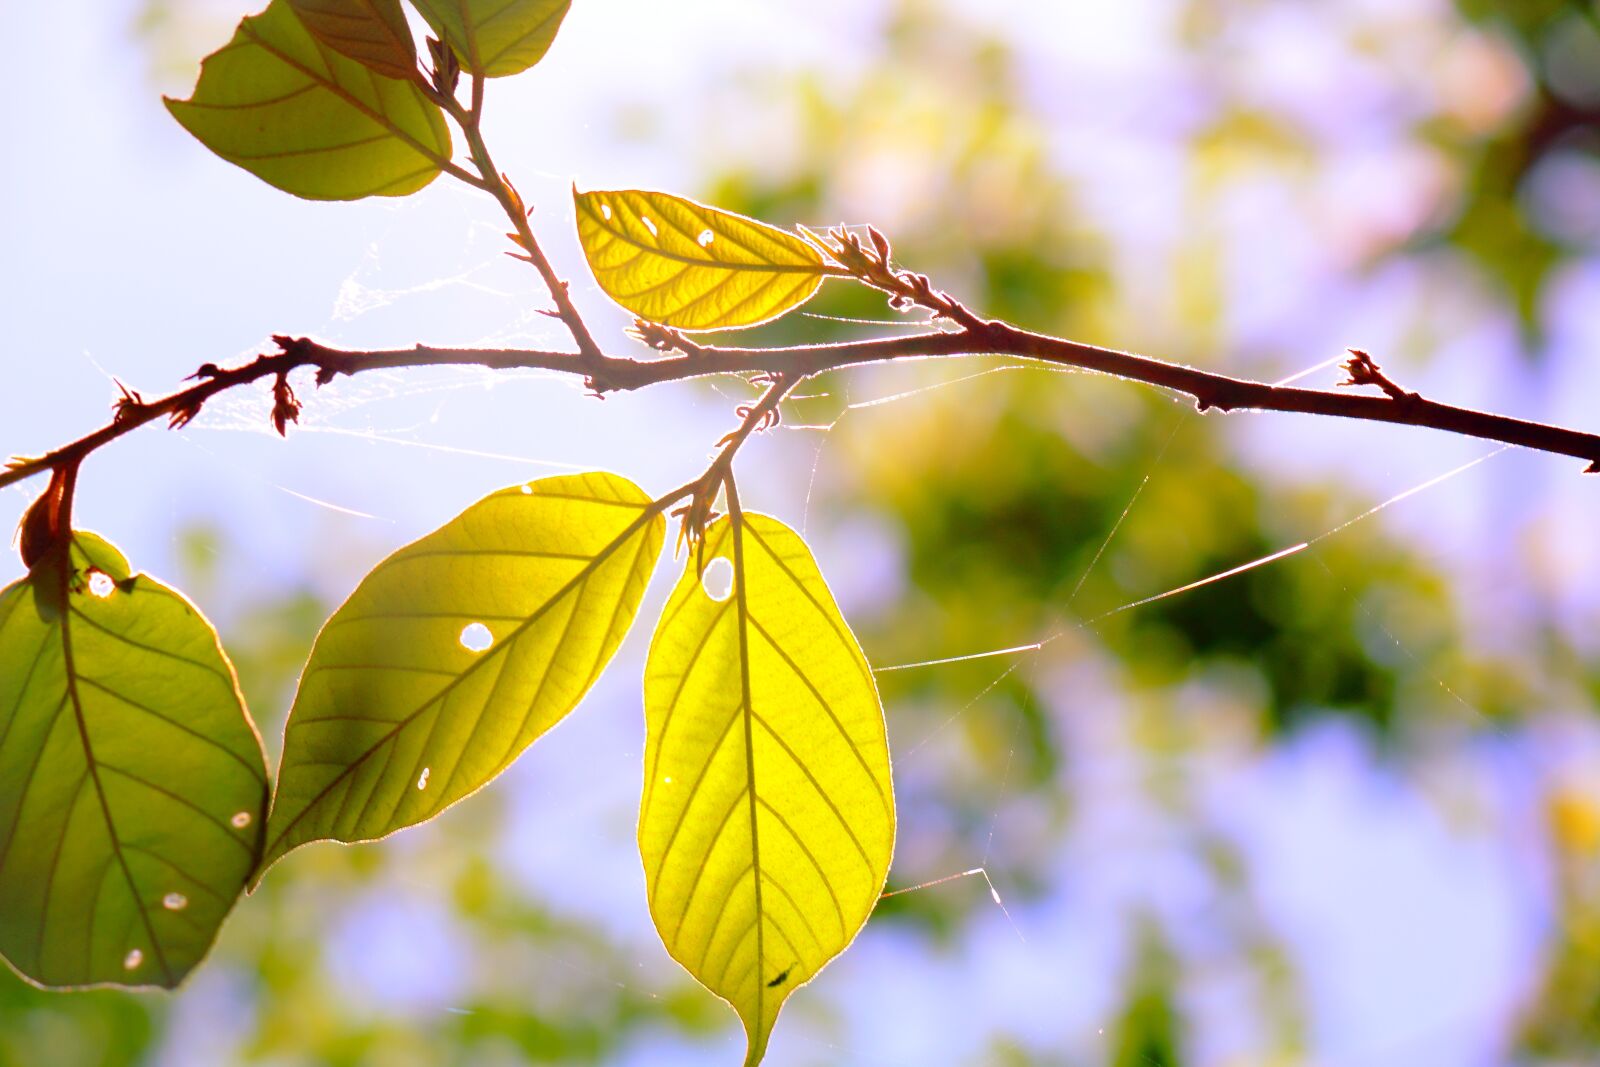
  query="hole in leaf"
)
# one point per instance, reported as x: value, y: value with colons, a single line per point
x: 605, y: 212
x: 717, y: 580
x: 100, y: 584
x: 527, y: 490
x: 705, y: 238
x: 649, y: 225
x: 174, y: 902
x: 240, y: 820
x: 422, y: 779
x: 131, y: 961
x: 475, y: 637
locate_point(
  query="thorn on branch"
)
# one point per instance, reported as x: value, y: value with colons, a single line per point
x: 285, y: 408
x: 206, y: 372
x: 519, y: 207
x: 1361, y: 370
x: 127, y: 406
x: 184, y: 414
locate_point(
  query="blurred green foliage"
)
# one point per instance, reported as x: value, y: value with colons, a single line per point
x: 1022, y: 505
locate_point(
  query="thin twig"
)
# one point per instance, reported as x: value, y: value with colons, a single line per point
x: 696, y: 515
x: 511, y: 202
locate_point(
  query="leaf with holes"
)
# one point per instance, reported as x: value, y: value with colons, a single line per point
x: 693, y: 267
x: 132, y: 783
x: 457, y: 652
x: 768, y: 815
x: 495, y: 37
x: 371, y: 32
x: 297, y: 114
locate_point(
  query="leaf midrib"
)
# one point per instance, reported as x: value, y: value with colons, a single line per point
x: 708, y: 264
x: 736, y: 516
x: 647, y: 514
x: 332, y: 84
x: 65, y: 619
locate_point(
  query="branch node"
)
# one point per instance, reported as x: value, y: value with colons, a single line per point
x: 1361, y: 370
x: 130, y: 405
x: 664, y: 338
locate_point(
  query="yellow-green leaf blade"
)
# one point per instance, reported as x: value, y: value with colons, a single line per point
x: 297, y: 114
x: 371, y: 32
x: 767, y: 823
x: 132, y: 782
x: 683, y: 264
x: 495, y: 37
x: 457, y: 652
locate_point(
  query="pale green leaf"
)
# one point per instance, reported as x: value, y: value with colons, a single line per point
x: 457, y: 652
x: 132, y: 784
x: 495, y: 37
x: 300, y: 116
x: 372, y: 32
x: 683, y: 264
x: 767, y: 822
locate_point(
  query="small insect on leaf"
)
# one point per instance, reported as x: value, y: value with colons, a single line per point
x: 680, y: 263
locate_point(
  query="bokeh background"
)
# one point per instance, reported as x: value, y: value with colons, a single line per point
x: 1340, y: 809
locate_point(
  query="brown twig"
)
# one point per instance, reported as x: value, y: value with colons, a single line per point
x: 499, y: 186
x: 699, y: 512
x: 614, y: 373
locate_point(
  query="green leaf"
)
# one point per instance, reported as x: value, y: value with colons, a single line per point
x: 457, y: 652
x: 300, y: 116
x: 371, y: 32
x: 767, y: 823
x: 495, y: 37
x: 683, y: 264
x: 132, y: 784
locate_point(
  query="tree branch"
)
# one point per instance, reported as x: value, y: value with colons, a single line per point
x: 605, y: 373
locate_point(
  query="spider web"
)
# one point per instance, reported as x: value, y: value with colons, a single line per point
x: 1020, y: 656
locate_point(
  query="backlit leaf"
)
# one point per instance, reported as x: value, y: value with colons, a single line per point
x: 683, y: 264
x: 457, y: 652
x: 132, y: 784
x: 372, y: 32
x: 768, y: 815
x: 300, y: 116
x: 495, y: 37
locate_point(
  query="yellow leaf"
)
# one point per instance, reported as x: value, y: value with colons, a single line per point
x: 458, y: 652
x: 767, y: 823
x: 693, y: 267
